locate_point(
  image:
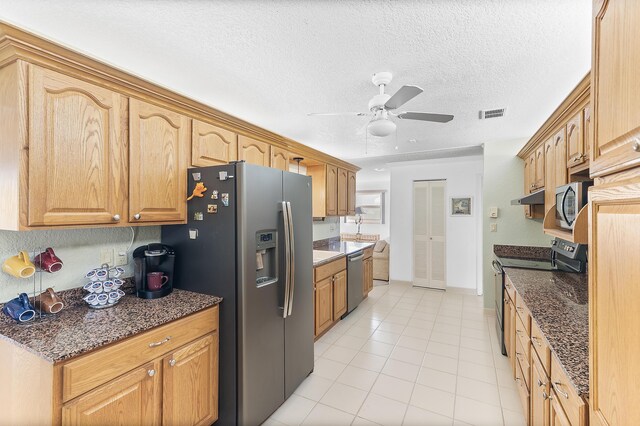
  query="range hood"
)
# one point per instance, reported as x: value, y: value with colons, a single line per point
x: 530, y: 199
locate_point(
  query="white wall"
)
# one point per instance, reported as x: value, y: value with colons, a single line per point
x: 504, y: 181
x: 382, y: 183
x: 79, y: 249
x: 327, y: 228
x: 462, y: 233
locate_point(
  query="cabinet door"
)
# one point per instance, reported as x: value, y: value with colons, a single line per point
x: 540, y: 166
x: 133, y: 398
x: 253, y: 151
x: 339, y: 294
x: 615, y: 86
x: 158, y: 162
x: 532, y: 172
x: 351, y: 194
x: 77, y: 151
x: 332, y: 190
x: 343, y: 191
x: 549, y: 175
x: 279, y: 158
x: 560, y: 161
x: 323, y: 305
x: 368, y: 274
x: 212, y: 145
x: 614, y: 237
x: 190, y: 384
x: 587, y: 132
x: 539, y: 394
x: 557, y: 417
x: 527, y: 185
x: 575, y: 141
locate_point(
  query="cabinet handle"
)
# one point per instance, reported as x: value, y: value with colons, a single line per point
x: 518, y: 380
x: 636, y: 146
x: 541, y: 383
x: 536, y: 341
x: 136, y: 216
x: 163, y: 341
x: 116, y: 218
x: 518, y: 332
x: 172, y: 362
x: 151, y: 373
x: 556, y: 386
x: 545, y: 396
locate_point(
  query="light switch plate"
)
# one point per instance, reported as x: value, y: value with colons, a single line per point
x: 121, y: 258
x: 106, y: 256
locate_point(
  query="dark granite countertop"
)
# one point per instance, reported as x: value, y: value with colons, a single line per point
x: 78, y: 329
x: 558, y: 302
x: 522, y: 252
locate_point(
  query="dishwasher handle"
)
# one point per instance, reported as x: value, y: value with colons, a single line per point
x: 356, y: 258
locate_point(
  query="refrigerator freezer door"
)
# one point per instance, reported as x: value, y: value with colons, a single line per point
x: 260, y: 322
x: 299, y: 323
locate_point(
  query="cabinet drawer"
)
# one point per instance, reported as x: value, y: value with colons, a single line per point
x: 523, y: 337
x: 368, y: 252
x: 523, y: 392
x: 329, y: 269
x: 524, y: 361
x: 573, y: 405
x: 104, y: 364
x: 541, y: 347
x: 510, y: 289
x: 524, y: 315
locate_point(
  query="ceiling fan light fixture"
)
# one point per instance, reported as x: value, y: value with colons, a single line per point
x: 381, y: 127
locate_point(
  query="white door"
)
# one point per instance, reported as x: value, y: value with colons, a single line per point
x: 429, y: 213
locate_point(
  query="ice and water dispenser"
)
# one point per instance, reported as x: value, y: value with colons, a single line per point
x: 266, y: 257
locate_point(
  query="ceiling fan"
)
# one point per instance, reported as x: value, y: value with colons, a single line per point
x: 381, y: 106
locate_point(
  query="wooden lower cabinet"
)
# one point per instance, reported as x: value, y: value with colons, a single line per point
x: 329, y: 294
x: 190, y: 384
x: 557, y: 417
x: 540, y: 388
x: 509, y: 331
x: 133, y: 398
x: 367, y: 282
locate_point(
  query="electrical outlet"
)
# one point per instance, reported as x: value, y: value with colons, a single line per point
x: 106, y: 256
x: 493, y: 227
x: 121, y: 258
x: 493, y: 212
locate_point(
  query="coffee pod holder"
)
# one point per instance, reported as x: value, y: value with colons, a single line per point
x: 110, y: 301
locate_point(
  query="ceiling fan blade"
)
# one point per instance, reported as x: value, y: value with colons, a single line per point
x: 355, y: 114
x: 426, y: 116
x: 402, y: 96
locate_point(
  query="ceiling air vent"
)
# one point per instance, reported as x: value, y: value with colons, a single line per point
x: 491, y: 113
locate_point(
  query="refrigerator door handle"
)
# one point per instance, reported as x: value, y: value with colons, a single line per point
x: 287, y: 256
x: 292, y: 258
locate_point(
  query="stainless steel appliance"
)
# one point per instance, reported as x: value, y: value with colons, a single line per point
x: 355, y: 277
x: 249, y: 240
x: 569, y: 200
x: 153, y: 258
x: 565, y: 257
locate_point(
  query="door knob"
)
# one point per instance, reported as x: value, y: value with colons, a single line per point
x: 172, y: 362
x: 136, y: 216
x: 151, y: 373
x: 116, y: 218
x: 636, y: 146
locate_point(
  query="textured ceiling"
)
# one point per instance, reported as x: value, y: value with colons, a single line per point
x: 271, y: 62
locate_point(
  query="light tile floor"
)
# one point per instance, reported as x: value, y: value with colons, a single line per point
x: 408, y: 356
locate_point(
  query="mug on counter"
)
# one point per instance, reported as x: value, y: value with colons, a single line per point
x: 48, y: 302
x: 48, y: 261
x: 19, y: 308
x: 19, y: 266
x: 155, y: 280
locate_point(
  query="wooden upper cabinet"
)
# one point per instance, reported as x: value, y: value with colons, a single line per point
x: 615, y: 86
x: 532, y: 172
x: 133, y: 398
x: 77, y: 151
x: 539, y: 182
x: 331, y: 191
x: 158, y: 161
x: 343, y: 196
x: 351, y: 194
x: 575, y: 141
x: 527, y: 185
x: 190, y: 384
x: 279, y: 158
x: 549, y: 174
x: 560, y: 152
x: 587, y: 132
x: 614, y: 239
x: 254, y: 151
x: 212, y: 145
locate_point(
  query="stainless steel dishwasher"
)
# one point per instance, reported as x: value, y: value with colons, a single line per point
x: 354, y: 281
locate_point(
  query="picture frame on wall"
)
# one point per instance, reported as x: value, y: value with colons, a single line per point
x: 461, y: 206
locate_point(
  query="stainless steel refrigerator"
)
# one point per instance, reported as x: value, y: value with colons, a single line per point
x: 249, y: 240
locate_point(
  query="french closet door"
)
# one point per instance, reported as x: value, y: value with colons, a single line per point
x: 429, y: 213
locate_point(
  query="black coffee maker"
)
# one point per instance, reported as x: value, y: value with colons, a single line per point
x: 158, y: 259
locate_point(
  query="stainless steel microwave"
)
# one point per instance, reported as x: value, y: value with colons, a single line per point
x: 570, y: 199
